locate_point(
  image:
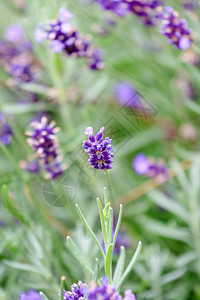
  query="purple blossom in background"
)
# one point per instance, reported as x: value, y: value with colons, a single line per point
x: 129, y: 295
x: 107, y: 292
x: 64, y: 37
x: 150, y: 168
x: 44, y: 142
x: 148, y: 11
x: 31, y: 166
x: 126, y: 94
x: 31, y: 295
x: 16, y: 55
x: 14, y: 33
x: 78, y: 291
x: 190, y: 5
x: 99, y: 150
x: 5, y: 131
x: 175, y: 29
x: 119, y: 7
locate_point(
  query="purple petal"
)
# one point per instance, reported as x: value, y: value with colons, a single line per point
x: 88, y: 130
x: 140, y: 164
x: 65, y: 14
x: 57, y: 46
x: 40, y: 35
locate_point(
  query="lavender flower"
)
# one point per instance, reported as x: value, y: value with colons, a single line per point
x: 105, y: 291
x: 119, y: 7
x: 148, y: 11
x: 175, y: 29
x: 31, y: 295
x: 129, y: 295
x: 78, y: 292
x: 5, y: 131
x: 64, y: 37
x: 99, y: 150
x: 16, y: 55
x: 126, y: 94
x: 150, y: 168
x: 45, y: 143
x: 108, y: 292
x: 190, y: 5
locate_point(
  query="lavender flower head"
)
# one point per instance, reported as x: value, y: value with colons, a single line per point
x: 99, y: 150
x: 119, y: 7
x: 44, y: 142
x: 5, y: 131
x: 32, y: 166
x: 64, y: 37
x: 16, y: 55
x: 148, y: 11
x: 150, y: 168
x: 175, y: 29
x: 105, y: 291
x: 31, y: 295
x: 108, y: 292
x: 78, y: 292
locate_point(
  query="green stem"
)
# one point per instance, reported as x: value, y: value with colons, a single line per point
x: 62, y: 284
x: 111, y: 197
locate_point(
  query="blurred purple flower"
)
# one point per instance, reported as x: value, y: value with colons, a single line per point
x: 150, y: 168
x: 175, y: 29
x: 5, y: 131
x: 14, y: 33
x: 99, y: 150
x: 190, y: 5
x: 126, y: 94
x: 64, y: 37
x: 44, y: 142
x: 108, y: 292
x: 16, y: 55
x: 31, y: 166
x: 31, y: 295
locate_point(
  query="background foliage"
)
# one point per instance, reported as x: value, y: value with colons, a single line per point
x: 33, y: 252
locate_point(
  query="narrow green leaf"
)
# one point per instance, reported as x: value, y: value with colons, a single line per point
x: 130, y: 266
x: 44, y: 297
x: 119, y: 267
x: 21, y: 266
x: 108, y: 263
x: 10, y: 205
x: 103, y: 227
x: 118, y: 225
x: 110, y: 226
x: 62, y: 285
x: 78, y: 255
x: 89, y: 230
x: 96, y: 271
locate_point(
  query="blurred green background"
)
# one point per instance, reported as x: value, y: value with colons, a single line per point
x: 166, y: 218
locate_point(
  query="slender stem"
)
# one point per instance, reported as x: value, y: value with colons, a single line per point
x: 62, y: 283
x: 111, y: 197
x: 102, y: 222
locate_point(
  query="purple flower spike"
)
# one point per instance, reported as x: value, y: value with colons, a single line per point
x: 5, y: 131
x: 148, y: 11
x: 64, y: 37
x: 44, y: 142
x: 99, y: 150
x: 175, y: 29
x: 78, y: 292
x: 31, y: 295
